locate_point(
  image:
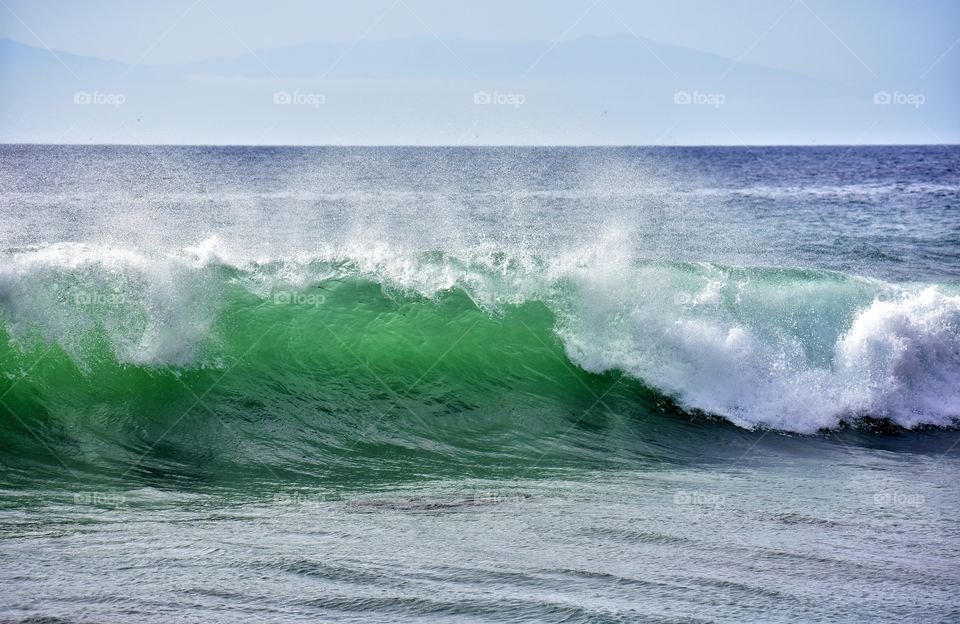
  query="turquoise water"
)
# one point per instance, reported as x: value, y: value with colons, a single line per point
x: 381, y: 384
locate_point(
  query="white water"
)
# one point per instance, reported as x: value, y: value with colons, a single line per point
x: 787, y: 349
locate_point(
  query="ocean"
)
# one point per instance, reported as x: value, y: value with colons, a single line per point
x: 452, y: 384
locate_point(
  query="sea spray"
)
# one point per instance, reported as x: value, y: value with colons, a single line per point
x: 736, y: 342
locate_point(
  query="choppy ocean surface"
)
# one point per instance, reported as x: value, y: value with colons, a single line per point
x: 479, y: 384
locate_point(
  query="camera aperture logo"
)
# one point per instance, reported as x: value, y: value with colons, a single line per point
x: 290, y: 297
x: 498, y: 98
x: 685, y: 498
x: 91, y: 298
x: 896, y: 98
x: 96, y: 98
x: 697, y: 98
x: 898, y: 499
x: 297, y: 98
x: 99, y: 499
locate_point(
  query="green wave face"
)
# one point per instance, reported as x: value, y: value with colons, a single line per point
x: 211, y: 373
x: 311, y: 381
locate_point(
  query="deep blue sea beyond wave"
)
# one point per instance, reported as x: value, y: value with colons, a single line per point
x: 479, y: 384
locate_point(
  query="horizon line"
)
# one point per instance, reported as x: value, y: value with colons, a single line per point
x: 468, y: 145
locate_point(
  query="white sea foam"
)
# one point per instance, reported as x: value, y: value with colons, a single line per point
x: 787, y: 349
x: 741, y: 351
x: 154, y: 311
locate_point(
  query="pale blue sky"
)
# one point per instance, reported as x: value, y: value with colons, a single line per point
x: 819, y: 37
x: 860, y: 45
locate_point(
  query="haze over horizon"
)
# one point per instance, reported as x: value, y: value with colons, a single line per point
x: 418, y: 73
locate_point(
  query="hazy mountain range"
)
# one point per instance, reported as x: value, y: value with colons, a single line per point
x: 421, y: 90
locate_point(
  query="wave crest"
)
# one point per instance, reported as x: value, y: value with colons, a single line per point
x: 796, y: 350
